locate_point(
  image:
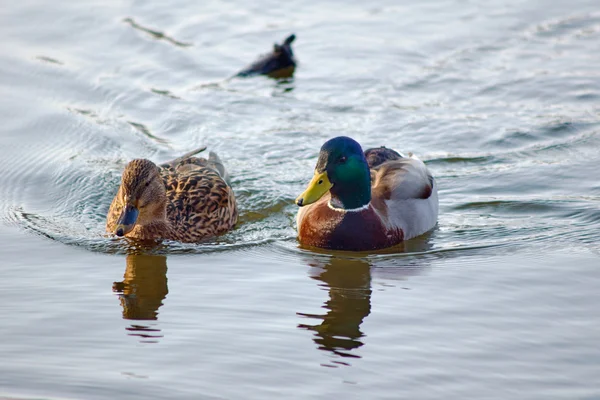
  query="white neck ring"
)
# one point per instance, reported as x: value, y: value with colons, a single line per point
x: 358, y: 209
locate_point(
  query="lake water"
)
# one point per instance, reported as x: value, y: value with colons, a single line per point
x: 500, y: 301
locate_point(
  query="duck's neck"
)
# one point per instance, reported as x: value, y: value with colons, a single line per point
x: 154, y: 231
x: 352, y: 197
x: 156, y: 226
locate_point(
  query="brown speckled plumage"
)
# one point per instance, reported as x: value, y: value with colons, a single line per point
x: 186, y: 199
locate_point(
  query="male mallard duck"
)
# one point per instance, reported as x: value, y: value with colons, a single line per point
x: 375, y: 199
x: 186, y: 199
x: 280, y: 63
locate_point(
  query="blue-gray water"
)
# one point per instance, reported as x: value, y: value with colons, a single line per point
x: 500, y: 301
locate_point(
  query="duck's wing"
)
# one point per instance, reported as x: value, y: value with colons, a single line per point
x: 404, y: 193
x: 173, y: 164
x: 378, y: 155
x: 187, y: 162
x: 401, y: 179
x: 215, y: 162
x: 201, y: 202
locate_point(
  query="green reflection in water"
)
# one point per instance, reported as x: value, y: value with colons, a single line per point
x: 349, y: 284
x: 347, y: 277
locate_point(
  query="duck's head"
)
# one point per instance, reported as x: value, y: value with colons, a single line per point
x: 142, y: 194
x: 342, y: 170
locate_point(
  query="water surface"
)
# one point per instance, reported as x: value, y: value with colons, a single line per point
x: 499, y: 301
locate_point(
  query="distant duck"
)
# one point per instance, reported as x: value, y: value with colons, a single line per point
x: 186, y: 200
x: 280, y: 63
x: 365, y: 201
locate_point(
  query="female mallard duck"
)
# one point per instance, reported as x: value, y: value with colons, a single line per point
x: 374, y: 200
x: 186, y: 199
x: 280, y: 63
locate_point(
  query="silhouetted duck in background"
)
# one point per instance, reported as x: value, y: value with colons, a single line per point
x: 280, y: 63
x: 187, y: 199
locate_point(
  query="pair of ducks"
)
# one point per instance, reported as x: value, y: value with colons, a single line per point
x: 355, y: 201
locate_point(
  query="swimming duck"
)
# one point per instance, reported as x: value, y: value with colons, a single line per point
x: 280, y: 63
x: 186, y: 200
x: 365, y: 200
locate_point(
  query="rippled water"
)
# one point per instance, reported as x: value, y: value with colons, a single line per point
x: 501, y: 99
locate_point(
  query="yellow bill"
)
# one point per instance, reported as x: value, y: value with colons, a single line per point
x: 318, y: 186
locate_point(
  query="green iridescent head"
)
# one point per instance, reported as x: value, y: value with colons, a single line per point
x: 343, y: 171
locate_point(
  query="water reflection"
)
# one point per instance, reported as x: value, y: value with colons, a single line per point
x: 348, y: 280
x: 142, y: 291
x: 283, y: 87
x: 349, y: 284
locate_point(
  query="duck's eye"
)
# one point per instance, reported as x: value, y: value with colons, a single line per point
x: 147, y: 183
x: 342, y: 159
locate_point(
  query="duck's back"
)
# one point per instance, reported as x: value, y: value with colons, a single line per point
x: 201, y: 204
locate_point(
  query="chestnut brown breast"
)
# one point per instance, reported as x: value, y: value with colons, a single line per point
x: 356, y: 231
